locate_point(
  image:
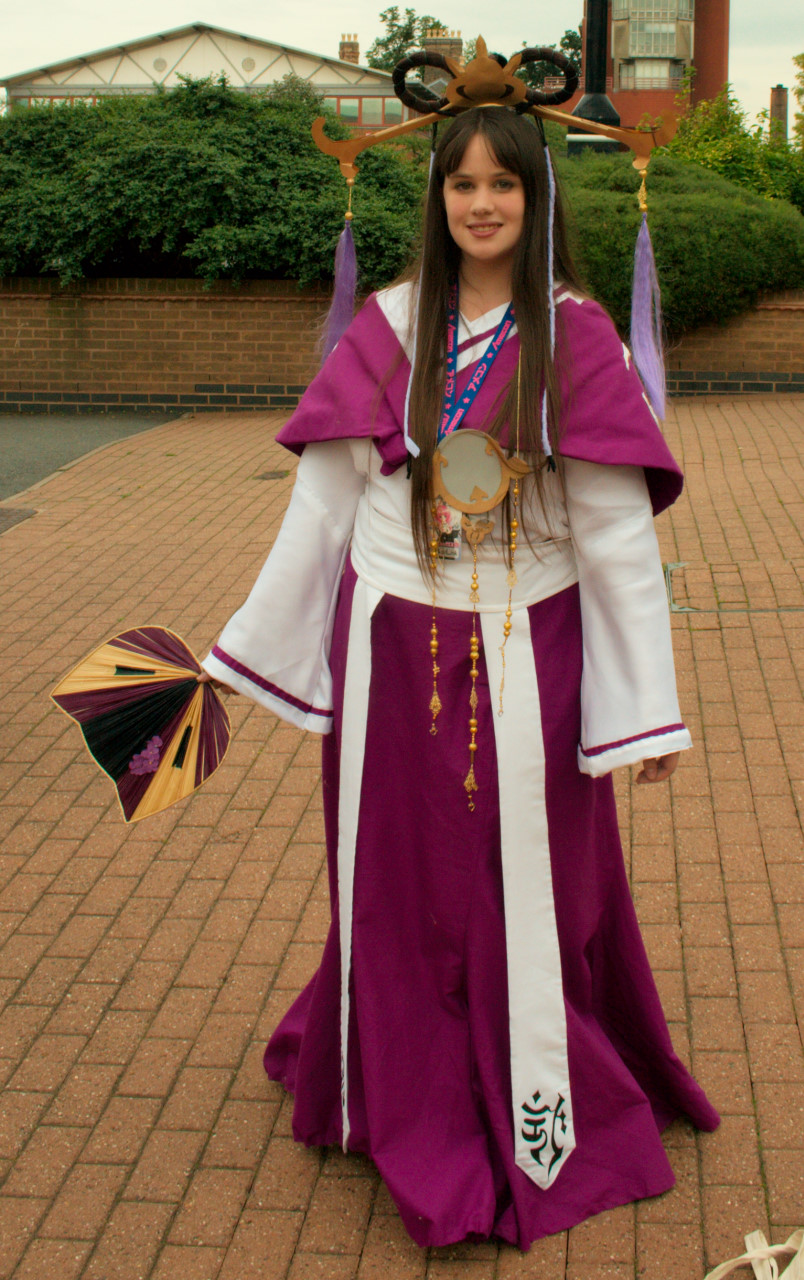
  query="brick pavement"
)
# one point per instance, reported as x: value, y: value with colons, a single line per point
x: 142, y: 968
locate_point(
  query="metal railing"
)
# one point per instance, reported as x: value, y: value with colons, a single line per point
x: 667, y: 13
x: 632, y: 84
x: 557, y: 82
x: 626, y: 84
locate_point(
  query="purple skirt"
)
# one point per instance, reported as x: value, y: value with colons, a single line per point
x: 429, y: 1070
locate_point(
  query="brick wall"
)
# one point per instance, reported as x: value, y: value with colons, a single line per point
x: 759, y: 351
x: 156, y: 344
x: 174, y: 344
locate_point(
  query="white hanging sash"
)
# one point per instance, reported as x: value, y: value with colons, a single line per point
x: 544, y: 1135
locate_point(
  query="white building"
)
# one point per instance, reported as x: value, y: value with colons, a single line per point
x: 363, y: 96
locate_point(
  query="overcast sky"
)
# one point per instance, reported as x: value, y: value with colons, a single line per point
x: 764, y: 33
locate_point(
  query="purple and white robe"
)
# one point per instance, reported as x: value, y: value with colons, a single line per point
x: 484, y: 1023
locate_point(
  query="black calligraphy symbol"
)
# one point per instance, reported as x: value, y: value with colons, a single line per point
x: 542, y: 1127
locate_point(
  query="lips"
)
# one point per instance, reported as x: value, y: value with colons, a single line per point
x: 483, y: 229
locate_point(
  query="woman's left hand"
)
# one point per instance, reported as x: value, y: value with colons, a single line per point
x: 204, y: 677
x: 658, y: 768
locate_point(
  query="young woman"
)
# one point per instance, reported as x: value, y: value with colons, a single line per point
x: 484, y: 1023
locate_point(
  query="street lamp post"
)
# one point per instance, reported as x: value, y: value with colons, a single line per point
x: 595, y: 103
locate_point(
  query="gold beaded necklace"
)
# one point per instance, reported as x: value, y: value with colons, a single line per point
x: 471, y: 475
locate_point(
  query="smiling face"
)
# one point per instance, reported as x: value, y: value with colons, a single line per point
x: 485, y: 206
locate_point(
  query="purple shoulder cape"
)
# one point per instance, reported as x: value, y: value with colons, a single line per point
x: 606, y: 415
x: 360, y: 393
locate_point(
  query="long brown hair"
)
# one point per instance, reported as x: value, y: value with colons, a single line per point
x: 516, y: 144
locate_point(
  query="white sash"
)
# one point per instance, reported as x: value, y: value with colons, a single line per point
x: 542, y: 1109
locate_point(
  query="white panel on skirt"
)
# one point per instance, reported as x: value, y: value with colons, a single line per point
x: 542, y: 1108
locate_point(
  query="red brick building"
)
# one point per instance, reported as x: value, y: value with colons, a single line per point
x: 653, y: 42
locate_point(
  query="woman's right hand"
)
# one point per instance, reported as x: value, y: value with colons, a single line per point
x: 205, y: 678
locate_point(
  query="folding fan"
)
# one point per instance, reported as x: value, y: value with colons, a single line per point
x: 152, y: 728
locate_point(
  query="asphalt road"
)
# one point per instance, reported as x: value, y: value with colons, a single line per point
x: 33, y: 445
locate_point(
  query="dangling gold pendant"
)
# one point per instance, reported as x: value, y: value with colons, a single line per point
x: 435, y: 707
x: 476, y: 531
x: 470, y: 782
x: 470, y: 785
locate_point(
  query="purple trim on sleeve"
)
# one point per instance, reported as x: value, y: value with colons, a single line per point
x: 638, y: 737
x: 273, y: 689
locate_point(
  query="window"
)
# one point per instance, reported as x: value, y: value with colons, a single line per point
x: 652, y: 38
x: 372, y: 111
x: 349, y: 109
x: 650, y: 73
x: 55, y: 100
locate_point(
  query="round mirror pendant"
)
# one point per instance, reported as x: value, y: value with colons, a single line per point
x: 471, y: 473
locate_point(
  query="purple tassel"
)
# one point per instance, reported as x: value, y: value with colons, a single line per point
x: 342, y: 308
x: 646, y: 320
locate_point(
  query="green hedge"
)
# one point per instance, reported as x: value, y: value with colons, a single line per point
x: 202, y: 180
x: 207, y: 181
x: 717, y: 245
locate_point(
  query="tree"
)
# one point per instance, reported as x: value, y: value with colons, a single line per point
x: 401, y: 34
x: 798, y: 94
x: 715, y: 133
x: 569, y: 44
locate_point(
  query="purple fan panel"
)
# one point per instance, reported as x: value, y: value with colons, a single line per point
x: 214, y: 735
x: 156, y: 642
x: 90, y: 704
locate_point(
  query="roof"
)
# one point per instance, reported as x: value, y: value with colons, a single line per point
x: 196, y: 49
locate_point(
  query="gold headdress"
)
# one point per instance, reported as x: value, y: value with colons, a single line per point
x: 488, y: 80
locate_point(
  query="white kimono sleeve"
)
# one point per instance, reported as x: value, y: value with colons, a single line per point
x: 275, y: 649
x: 629, y: 703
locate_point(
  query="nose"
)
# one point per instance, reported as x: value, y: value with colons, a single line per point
x: 483, y: 201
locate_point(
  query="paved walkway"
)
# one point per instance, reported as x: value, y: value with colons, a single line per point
x: 33, y: 445
x: 142, y: 968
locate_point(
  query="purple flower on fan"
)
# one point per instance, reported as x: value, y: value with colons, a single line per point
x: 147, y: 761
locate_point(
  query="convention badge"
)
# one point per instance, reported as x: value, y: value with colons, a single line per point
x: 448, y: 527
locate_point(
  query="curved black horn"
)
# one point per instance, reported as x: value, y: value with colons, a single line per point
x: 418, y: 102
x: 535, y: 96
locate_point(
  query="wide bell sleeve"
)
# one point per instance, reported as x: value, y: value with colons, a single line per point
x: 629, y: 703
x: 275, y: 649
